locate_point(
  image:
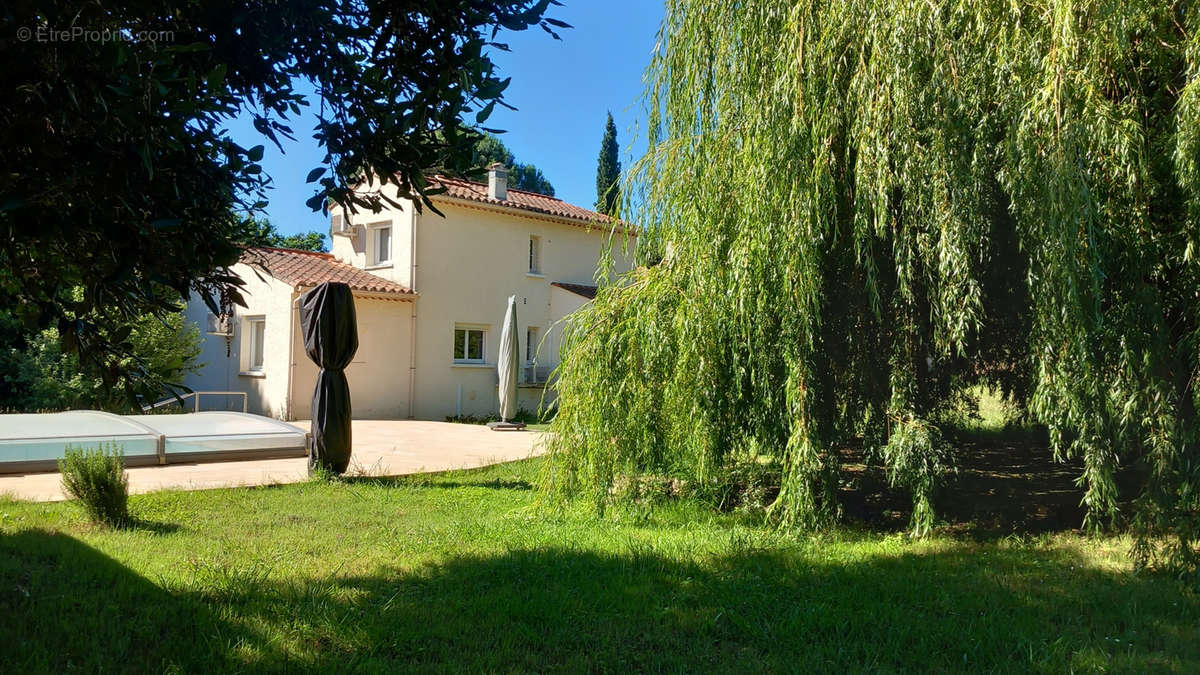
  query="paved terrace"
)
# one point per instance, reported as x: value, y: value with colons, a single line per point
x: 381, y: 448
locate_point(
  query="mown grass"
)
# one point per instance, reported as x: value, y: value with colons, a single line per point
x: 459, y: 572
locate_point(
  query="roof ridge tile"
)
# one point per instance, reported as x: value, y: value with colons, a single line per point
x: 469, y: 190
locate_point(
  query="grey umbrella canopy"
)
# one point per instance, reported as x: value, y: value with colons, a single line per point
x: 507, y: 362
x: 330, y: 330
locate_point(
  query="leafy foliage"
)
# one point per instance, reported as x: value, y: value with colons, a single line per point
x: 122, y: 178
x: 917, y: 458
x: 261, y: 232
x: 865, y: 207
x: 304, y: 241
x: 37, y: 375
x: 97, y: 479
x: 526, y: 177
x: 608, y: 170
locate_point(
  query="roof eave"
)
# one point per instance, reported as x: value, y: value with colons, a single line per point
x: 360, y: 293
x: 574, y: 289
x: 535, y: 214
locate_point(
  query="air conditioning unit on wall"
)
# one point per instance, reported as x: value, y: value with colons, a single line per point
x: 220, y: 324
x: 342, y: 225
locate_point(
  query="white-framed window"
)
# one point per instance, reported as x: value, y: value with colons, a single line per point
x: 379, y: 247
x: 219, y: 324
x: 469, y: 344
x: 531, y: 343
x: 535, y: 254
x: 254, y: 331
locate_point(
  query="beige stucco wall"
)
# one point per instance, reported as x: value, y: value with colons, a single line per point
x: 353, y: 248
x: 468, y: 263
x: 562, y: 304
x: 378, y: 375
x: 267, y: 392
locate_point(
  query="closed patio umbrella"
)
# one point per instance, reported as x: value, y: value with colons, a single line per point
x: 330, y: 330
x: 507, y: 364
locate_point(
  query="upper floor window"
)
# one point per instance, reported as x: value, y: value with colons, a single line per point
x: 379, y: 249
x: 535, y: 255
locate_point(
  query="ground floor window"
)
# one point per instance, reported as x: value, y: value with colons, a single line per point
x: 255, y: 343
x: 469, y: 345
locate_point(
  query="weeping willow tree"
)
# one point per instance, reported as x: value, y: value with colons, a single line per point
x: 853, y: 209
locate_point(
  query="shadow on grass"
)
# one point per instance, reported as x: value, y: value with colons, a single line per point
x: 1008, y: 609
x: 1007, y: 483
x: 509, y: 475
x: 420, y: 482
x: 152, y: 526
x: 66, y: 606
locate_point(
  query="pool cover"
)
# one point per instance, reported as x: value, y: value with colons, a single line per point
x: 31, y: 443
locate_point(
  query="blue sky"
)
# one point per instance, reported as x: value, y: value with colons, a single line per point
x: 561, y: 89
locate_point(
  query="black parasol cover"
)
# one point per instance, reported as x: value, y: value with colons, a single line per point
x: 330, y: 338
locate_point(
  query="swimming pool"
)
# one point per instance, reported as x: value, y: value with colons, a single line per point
x: 30, y: 443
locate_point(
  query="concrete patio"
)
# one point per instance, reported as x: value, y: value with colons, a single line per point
x: 381, y: 448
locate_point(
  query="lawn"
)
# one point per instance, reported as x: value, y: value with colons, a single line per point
x: 461, y: 571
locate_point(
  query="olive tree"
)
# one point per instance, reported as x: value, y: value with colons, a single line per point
x: 120, y: 175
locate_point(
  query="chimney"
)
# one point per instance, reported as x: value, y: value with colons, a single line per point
x: 497, y: 181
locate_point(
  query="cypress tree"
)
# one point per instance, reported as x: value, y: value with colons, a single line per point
x: 608, y: 170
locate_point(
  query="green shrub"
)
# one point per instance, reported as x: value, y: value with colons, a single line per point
x: 42, y: 377
x: 97, y: 479
x: 918, y: 458
x: 747, y: 482
x: 321, y: 474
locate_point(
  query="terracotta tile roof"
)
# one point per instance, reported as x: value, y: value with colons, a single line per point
x: 458, y: 188
x: 588, y: 292
x: 306, y: 268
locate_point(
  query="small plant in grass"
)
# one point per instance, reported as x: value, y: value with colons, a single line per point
x: 97, y: 479
x: 523, y: 415
x: 747, y: 483
x: 918, y: 458
x: 320, y: 474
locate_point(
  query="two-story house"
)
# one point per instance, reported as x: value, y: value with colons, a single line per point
x: 430, y: 294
